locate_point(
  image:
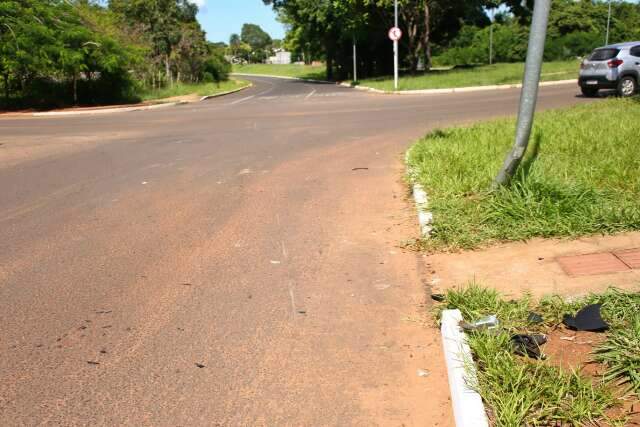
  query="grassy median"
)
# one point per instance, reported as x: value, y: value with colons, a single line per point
x: 581, y: 176
x: 313, y: 72
x: 201, y: 89
x: 520, y: 391
x: 481, y: 75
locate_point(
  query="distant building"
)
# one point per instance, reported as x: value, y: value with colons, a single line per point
x: 281, y: 57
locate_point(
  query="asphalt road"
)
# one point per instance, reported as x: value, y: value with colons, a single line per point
x: 222, y: 263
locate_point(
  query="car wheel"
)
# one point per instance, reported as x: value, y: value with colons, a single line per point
x: 627, y: 86
x: 589, y: 92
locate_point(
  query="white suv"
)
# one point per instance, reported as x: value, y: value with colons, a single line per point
x: 616, y: 66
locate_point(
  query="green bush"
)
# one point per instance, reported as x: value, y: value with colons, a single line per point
x: 510, y: 45
x: 571, y: 45
x: 472, y: 45
x: 216, y: 68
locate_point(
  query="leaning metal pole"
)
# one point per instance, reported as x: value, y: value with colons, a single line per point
x: 529, y: 95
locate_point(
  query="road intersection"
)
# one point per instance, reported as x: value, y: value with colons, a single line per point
x: 229, y: 262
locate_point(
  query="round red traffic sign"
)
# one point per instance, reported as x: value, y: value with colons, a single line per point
x: 395, y: 34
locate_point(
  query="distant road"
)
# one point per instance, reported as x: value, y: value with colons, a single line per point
x: 231, y: 262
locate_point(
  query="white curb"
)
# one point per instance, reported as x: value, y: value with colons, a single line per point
x: 229, y: 92
x: 425, y: 218
x: 279, y: 77
x: 134, y: 108
x: 106, y: 110
x: 459, y: 89
x: 468, y: 409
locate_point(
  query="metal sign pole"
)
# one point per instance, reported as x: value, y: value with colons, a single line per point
x: 529, y: 94
x: 355, y: 61
x: 395, y: 51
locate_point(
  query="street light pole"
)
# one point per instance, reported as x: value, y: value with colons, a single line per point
x: 395, y: 50
x: 606, y: 40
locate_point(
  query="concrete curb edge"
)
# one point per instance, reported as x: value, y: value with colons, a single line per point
x: 468, y: 408
x: 135, y: 108
x: 459, y: 89
x: 229, y: 92
x: 421, y: 199
x: 107, y: 110
x: 280, y: 77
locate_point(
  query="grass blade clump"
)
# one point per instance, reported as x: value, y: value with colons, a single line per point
x: 475, y: 302
x: 621, y: 354
x: 523, y: 392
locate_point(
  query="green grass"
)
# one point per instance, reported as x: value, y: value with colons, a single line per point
x: 581, y: 177
x: 520, y: 391
x: 621, y: 354
x: 314, y: 72
x: 201, y: 89
x: 482, y: 75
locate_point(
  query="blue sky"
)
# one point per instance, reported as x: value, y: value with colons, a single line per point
x: 221, y: 18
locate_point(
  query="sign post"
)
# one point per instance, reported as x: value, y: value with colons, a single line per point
x: 395, y: 34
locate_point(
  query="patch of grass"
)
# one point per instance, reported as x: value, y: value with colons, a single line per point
x: 201, y: 89
x: 481, y: 75
x: 521, y: 391
x: 475, y: 301
x: 621, y: 354
x: 313, y: 72
x: 581, y: 177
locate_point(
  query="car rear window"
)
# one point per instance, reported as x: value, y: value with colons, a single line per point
x: 604, y: 54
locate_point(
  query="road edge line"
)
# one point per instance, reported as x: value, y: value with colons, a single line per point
x: 467, y: 405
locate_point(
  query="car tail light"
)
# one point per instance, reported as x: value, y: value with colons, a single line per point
x: 615, y: 63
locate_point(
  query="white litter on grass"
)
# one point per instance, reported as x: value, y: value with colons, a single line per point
x: 144, y: 182
x: 423, y: 373
x: 275, y: 262
x: 244, y: 172
x: 382, y: 286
